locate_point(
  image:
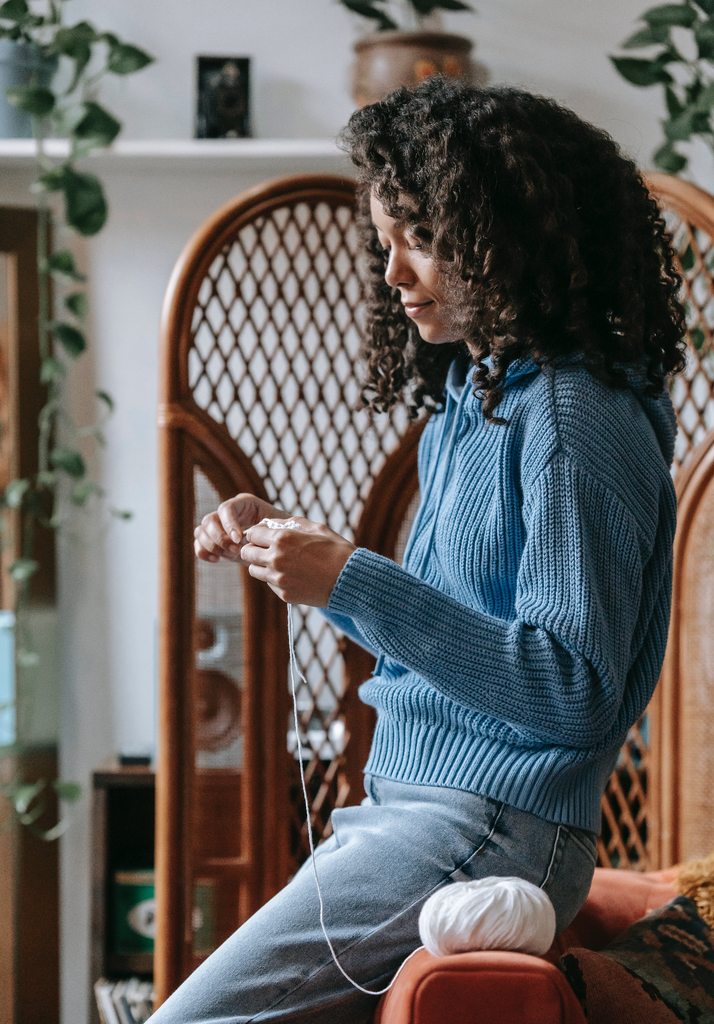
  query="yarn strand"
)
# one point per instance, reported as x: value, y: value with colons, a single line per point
x: 295, y: 669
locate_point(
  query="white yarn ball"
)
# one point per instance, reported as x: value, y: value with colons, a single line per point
x: 489, y: 913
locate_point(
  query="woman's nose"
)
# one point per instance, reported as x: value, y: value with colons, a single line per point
x: 399, y: 272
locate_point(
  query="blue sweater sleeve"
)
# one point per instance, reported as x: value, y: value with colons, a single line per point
x: 558, y: 668
x: 349, y: 628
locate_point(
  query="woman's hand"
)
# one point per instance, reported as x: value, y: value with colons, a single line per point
x: 221, y: 533
x: 301, y: 566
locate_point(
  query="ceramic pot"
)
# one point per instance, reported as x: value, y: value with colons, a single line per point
x: 387, y: 60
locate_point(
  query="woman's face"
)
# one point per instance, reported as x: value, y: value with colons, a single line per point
x: 411, y: 271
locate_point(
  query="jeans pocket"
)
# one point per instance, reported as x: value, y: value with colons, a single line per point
x: 585, y: 840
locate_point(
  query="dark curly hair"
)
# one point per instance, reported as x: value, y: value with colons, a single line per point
x: 548, y: 239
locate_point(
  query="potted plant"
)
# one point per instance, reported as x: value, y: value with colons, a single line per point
x: 678, y: 39
x: 408, y: 50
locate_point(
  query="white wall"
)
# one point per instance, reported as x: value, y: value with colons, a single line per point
x: 301, y: 57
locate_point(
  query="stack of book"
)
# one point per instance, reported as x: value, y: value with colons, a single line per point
x: 124, y: 1002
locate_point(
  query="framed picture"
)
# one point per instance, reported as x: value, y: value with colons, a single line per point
x: 223, y: 97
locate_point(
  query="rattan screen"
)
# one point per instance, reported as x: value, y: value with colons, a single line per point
x: 625, y: 838
x: 274, y: 357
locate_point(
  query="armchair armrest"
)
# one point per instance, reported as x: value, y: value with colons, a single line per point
x: 487, y: 987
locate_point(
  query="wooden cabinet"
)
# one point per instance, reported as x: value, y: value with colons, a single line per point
x: 123, y: 815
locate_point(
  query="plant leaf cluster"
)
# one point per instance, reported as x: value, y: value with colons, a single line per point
x: 73, y: 112
x: 31, y: 802
x: 81, y: 55
x: 688, y: 82
x: 379, y: 10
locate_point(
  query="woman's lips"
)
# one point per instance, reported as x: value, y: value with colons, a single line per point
x: 413, y: 309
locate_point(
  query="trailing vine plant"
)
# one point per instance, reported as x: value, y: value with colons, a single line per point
x: 382, y: 12
x: 680, y: 41
x: 67, y: 108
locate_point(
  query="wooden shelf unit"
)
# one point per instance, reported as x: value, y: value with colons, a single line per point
x: 122, y: 839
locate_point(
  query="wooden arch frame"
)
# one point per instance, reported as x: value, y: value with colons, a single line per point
x: 669, y: 806
x: 190, y: 437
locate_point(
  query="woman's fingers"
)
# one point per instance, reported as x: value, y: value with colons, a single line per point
x: 237, y: 514
x: 211, y: 538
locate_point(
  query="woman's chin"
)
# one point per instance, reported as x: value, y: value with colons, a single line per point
x: 435, y: 337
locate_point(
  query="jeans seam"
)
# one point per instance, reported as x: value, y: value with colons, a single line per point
x: 556, y: 848
x: 381, y: 927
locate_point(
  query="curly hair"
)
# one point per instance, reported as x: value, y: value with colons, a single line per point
x: 546, y: 235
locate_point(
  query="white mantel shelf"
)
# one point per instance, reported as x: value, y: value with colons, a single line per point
x: 169, y: 155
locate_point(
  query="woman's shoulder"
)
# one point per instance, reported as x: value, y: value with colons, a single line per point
x: 621, y: 436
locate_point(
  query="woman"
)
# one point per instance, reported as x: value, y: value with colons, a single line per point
x: 522, y: 288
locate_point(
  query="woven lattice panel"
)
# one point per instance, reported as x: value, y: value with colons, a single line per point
x: 692, y: 392
x: 274, y: 358
x: 624, y: 822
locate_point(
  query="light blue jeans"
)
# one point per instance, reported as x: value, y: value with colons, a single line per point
x: 383, y: 860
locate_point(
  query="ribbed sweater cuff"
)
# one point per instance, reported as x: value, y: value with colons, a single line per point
x: 359, y: 590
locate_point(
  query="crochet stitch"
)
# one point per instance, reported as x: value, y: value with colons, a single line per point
x: 525, y: 633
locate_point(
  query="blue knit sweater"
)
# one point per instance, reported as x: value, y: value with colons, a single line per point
x: 525, y: 633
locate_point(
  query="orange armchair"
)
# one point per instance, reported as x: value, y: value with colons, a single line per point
x: 493, y: 987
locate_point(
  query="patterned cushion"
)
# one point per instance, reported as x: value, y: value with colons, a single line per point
x: 660, y: 971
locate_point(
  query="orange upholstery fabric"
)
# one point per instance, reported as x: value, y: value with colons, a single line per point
x: 492, y: 987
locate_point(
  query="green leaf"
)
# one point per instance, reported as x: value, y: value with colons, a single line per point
x: 671, y: 14
x: 425, y: 7
x: 669, y: 160
x: 75, y: 42
x: 367, y: 9
x: 46, y: 478
x: 125, y: 59
x: 97, y: 126
x: 85, y: 204
x: 61, y: 264
x: 704, y: 36
x: 106, y: 398
x: 14, y: 10
x: 642, y: 72
x: 78, y: 304
x: 23, y: 795
x: 32, y: 99
x: 697, y: 337
x: 72, y: 340
x: 70, y: 791
x: 674, y: 107
x: 704, y: 100
x: 51, y: 181
x: 679, y: 129
x: 51, y: 369
x: 23, y: 568
x: 707, y: 6
x: 15, y: 492
x: 120, y: 513
x: 68, y: 460
x: 688, y: 259
x: 647, y: 36
x: 82, y: 492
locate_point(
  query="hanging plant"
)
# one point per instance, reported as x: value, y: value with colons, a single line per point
x: 686, y: 78
x: 66, y: 108
x: 382, y: 12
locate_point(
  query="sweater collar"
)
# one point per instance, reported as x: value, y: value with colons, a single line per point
x: 462, y: 370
